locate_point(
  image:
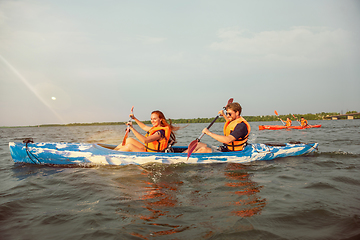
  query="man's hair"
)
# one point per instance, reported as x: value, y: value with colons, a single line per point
x: 235, y: 107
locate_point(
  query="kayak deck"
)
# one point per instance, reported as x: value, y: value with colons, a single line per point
x: 103, y: 154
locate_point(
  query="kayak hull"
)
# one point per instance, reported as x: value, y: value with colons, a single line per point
x: 103, y: 154
x: 278, y: 127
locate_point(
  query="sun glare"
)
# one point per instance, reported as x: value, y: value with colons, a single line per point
x: 26, y: 82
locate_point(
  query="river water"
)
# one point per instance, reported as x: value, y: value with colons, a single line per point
x: 307, y: 197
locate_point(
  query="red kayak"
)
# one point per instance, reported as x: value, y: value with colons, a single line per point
x: 278, y: 127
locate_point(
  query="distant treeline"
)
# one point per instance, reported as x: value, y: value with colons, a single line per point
x: 267, y: 118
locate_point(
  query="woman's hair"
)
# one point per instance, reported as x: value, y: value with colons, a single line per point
x: 164, y: 123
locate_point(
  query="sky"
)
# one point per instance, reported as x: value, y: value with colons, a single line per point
x: 82, y: 61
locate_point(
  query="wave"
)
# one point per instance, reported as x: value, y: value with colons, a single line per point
x: 338, y: 154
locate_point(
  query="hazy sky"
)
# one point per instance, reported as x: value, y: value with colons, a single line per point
x: 66, y: 61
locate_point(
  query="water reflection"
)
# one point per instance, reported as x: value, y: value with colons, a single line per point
x: 159, y: 199
x: 197, y: 201
x: 249, y: 203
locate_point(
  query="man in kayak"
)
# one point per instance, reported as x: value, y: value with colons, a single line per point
x: 156, y: 139
x: 236, y: 131
x: 303, y: 122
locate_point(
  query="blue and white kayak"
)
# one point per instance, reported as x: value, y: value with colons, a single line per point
x: 60, y: 153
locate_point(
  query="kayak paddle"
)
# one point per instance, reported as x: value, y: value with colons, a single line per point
x: 127, y: 129
x: 194, y: 143
x: 296, y: 119
x: 279, y: 117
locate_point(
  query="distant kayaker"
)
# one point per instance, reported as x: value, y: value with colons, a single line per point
x: 288, y: 122
x: 156, y: 138
x: 236, y: 131
x: 303, y: 122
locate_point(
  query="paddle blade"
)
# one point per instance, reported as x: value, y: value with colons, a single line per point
x: 191, y: 148
x: 276, y: 113
x: 229, y: 101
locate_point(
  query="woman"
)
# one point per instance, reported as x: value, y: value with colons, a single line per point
x: 156, y: 139
x: 288, y: 122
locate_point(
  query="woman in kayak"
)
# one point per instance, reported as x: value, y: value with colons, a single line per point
x: 156, y: 139
x: 288, y: 122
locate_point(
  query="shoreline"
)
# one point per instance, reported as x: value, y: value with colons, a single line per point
x: 268, y: 118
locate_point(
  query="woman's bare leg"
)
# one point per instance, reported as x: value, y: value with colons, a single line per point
x: 131, y: 145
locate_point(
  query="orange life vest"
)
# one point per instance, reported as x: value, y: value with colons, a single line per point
x: 161, y: 144
x: 236, y: 145
x: 288, y: 123
x: 304, y: 123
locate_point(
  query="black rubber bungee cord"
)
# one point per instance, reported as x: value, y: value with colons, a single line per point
x: 30, y: 155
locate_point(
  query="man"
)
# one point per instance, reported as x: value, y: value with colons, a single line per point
x: 236, y: 131
x: 303, y: 122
